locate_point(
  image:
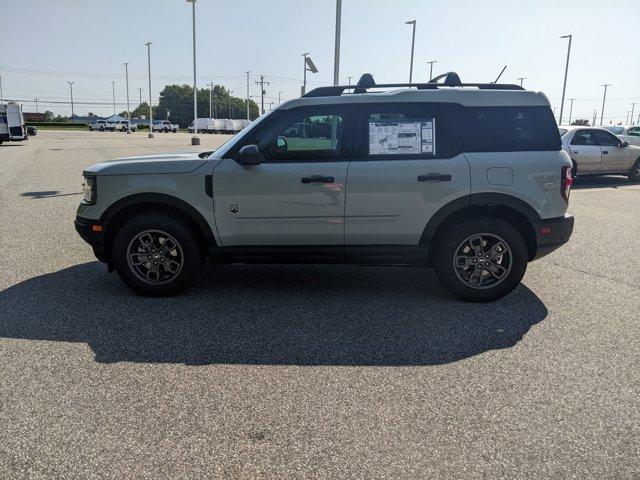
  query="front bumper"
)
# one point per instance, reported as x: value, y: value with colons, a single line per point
x: 92, y: 232
x: 552, y: 233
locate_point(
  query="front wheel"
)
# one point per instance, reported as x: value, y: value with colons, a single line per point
x: 634, y: 172
x: 90, y: 128
x: 481, y: 259
x: 102, y: 129
x: 157, y: 255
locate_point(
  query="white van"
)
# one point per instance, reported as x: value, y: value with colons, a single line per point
x: 12, y: 127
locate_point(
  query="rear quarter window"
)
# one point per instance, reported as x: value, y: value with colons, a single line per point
x: 502, y: 129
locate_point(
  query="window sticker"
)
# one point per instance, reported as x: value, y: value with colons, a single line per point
x: 398, y: 137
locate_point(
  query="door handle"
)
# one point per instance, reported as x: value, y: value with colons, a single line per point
x: 605, y: 152
x: 317, y: 179
x: 434, y: 177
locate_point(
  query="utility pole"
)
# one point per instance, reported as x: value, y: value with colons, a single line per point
x: 1, y: 96
x: 571, y: 109
x: 595, y: 116
x: 633, y: 107
x: 304, y: 75
x: 210, y: 85
x: 279, y: 97
x: 36, y: 99
x: 113, y: 92
x: 522, y: 79
x: 71, y: 88
x: 262, y: 83
x: 349, y: 78
x: 126, y: 74
x: 566, y: 71
x: 431, y: 62
x: 229, y: 103
x: 413, y: 42
x: 604, y: 98
x: 140, y: 91
x: 336, y: 56
x: 148, y: 44
x: 194, y: 140
x: 248, y: 116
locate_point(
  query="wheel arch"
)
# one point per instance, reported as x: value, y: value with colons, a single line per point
x: 118, y: 213
x: 510, y: 208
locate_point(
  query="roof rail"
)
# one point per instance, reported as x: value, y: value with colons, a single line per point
x: 451, y: 79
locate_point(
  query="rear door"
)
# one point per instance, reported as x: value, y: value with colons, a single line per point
x: 405, y: 168
x: 296, y: 197
x: 615, y: 158
x: 584, y: 149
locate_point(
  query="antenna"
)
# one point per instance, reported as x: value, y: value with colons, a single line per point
x: 496, y: 80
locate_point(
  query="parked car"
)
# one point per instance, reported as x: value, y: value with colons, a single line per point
x: 98, y: 125
x: 470, y: 180
x: 121, y: 126
x: 596, y: 151
x: 164, y: 126
x: 32, y: 130
x: 629, y: 134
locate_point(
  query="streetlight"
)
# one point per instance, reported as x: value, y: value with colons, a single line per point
x: 413, y: 41
x: 279, y: 97
x: 431, y: 68
x: 194, y: 140
x: 113, y: 92
x: 349, y: 78
x: 126, y: 74
x: 210, y: 85
x: 633, y: 107
x: 36, y: 99
x: 1, y: 97
x: 71, y: 88
x: 248, y: 116
x: 148, y: 44
x: 566, y: 71
x: 571, y: 110
x: 522, y: 79
x: 229, y: 103
x: 604, y: 97
x: 336, y: 56
x: 140, y: 91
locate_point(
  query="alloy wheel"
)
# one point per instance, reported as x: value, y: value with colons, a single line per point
x: 482, y: 260
x: 155, y: 257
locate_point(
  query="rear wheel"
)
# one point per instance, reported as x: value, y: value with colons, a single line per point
x: 157, y: 255
x: 634, y: 172
x: 481, y: 260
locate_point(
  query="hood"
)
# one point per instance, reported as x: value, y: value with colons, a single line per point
x: 149, y: 164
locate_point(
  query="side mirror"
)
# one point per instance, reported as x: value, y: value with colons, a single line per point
x: 249, y: 155
x: 624, y: 144
x: 281, y: 144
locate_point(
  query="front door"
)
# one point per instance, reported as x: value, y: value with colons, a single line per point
x: 584, y: 149
x: 615, y: 158
x: 296, y: 197
x: 405, y: 169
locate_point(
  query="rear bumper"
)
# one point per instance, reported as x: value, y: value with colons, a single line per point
x: 552, y: 233
x: 85, y: 228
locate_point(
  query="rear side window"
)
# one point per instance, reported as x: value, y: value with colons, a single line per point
x: 584, y: 137
x: 503, y: 129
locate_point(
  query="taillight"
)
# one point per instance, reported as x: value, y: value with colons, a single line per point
x: 566, y: 180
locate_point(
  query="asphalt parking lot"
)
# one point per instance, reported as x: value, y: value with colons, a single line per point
x: 308, y: 371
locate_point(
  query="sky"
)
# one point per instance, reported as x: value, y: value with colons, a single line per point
x: 45, y: 43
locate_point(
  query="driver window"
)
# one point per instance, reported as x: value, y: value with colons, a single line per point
x: 606, y: 139
x: 308, y: 135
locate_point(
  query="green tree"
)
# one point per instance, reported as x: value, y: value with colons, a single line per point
x: 48, y: 116
x: 580, y: 121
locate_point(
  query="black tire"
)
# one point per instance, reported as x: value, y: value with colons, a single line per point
x: 448, y: 248
x: 165, y: 130
x: 175, y: 131
x: 90, y: 128
x: 189, y: 252
x: 102, y: 129
x: 634, y: 172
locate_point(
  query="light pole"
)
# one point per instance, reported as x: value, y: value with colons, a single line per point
x: 279, y: 98
x: 270, y: 106
x: 126, y: 74
x: 248, y: 116
x: 349, y: 78
x: 229, y: 104
x: 148, y: 44
x: 522, y: 79
x: 633, y: 107
x: 571, y: 109
x: 194, y: 140
x: 431, y: 62
x: 210, y: 85
x: 413, y: 42
x: 71, y: 89
x: 336, y: 56
x: 1, y: 96
x: 566, y: 71
x: 140, y: 91
x: 113, y: 93
x: 595, y: 117
x: 36, y: 99
x: 604, y: 98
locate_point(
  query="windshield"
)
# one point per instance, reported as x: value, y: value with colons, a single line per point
x: 617, y: 129
x: 225, y: 147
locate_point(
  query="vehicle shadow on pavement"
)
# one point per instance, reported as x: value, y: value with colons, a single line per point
x: 268, y: 314
x: 611, y: 181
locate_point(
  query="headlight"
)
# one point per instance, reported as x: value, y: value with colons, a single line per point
x: 89, y: 190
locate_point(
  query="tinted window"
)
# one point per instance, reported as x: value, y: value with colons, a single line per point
x: 307, y: 134
x: 583, y: 137
x: 635, y: 131
x: 503, y: 129
x: 606, y: 139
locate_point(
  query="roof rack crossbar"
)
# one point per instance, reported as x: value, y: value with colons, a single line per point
x: 451, y: 81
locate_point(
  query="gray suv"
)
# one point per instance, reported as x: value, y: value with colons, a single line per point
x: 469, y: 179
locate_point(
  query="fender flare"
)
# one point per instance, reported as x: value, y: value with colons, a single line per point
x: 480, y: 199
x: 162, y: 199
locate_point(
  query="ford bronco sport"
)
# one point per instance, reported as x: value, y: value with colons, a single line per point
x: 469, y: 179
